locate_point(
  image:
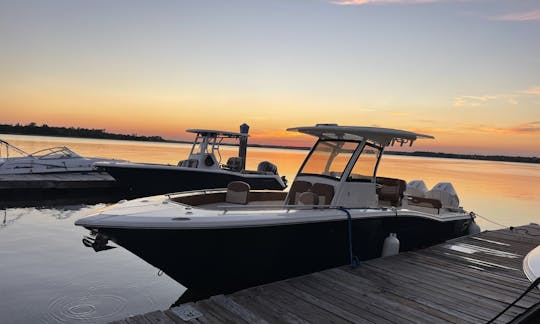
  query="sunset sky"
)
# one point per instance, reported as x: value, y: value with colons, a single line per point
x: 465, y: 71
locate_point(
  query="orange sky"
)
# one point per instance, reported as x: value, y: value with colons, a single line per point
x: 471, y: 80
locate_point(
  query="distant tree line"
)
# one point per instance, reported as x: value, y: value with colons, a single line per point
x: 33, y: 129
x: 502, y: 158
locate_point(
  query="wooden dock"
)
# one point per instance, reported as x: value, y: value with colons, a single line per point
x: 466, y: 280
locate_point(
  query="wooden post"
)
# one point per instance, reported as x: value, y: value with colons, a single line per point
x: 242, y: 151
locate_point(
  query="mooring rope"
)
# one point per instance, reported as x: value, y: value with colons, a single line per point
x: 531, y: 287
x: 355, y: 262
x: 489, y: 220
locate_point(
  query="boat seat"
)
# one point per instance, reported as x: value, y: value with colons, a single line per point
x: 237, y: 193
x: 308, y: 198
x: 391, y: 190
x: 296, y: 189
x: 325, y: 191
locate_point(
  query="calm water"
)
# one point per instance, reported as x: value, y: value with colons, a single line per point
x: 48, y: 276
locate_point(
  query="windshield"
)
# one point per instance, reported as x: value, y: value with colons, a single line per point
x: 366, y: 165
x: 329, y: 158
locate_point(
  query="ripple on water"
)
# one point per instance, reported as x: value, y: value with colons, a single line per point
x: 90, y: 308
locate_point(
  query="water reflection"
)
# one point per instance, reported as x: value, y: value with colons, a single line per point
x: 11, y: 215
x: 50, y: 277
x: 8, y: 221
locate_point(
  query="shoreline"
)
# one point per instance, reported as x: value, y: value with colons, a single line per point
x: 441, y: 155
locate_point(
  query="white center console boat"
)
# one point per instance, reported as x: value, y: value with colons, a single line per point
x: 337, y: 211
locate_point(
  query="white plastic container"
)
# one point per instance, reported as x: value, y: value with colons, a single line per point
x: 390, y: 245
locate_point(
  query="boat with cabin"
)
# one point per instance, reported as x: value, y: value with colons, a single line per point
x: 203, y: 169
x: 52, y: 176
x: 337, y: 212
x: 60, y: 159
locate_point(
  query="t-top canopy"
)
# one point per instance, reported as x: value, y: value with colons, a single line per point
x: 382, y: 136
x: 210, y: 132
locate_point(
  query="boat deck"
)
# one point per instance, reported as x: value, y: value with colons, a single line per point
x: 466, y: 280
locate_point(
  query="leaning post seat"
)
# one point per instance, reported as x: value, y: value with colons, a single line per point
x: 324, y: 191
x: 391, y: 190
x: 237, y: 193
x: 297, y: 188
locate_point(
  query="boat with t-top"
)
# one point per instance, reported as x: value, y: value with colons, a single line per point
x: 337, y: 211
x: 203, y: 169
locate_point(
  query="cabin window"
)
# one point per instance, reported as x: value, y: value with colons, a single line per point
x: 365, y: 165
x: 329, y: 158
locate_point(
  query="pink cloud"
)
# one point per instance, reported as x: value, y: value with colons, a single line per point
x: 533, y: 91
x: 527, y: 128
x: 473, y: 101
x: 520, y: 16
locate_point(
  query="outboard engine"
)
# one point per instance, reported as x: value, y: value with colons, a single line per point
x: 416, y: 188
x: 267, y: 167
x: 445, y: 192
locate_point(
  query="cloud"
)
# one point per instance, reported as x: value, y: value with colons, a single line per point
x: 519, y: 16
x: 476, y: 101
x: 366, y: 2
x: 533, y: 91
x: 473, y: 101
x: 509, y: 98
x: 527, y: 128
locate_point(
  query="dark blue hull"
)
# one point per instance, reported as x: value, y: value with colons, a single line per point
x: 147, y: 181
x: 217, y: 261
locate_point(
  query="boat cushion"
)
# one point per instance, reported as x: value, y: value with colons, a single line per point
x: 296, y: 189
x: 391, y: 190
x: 324, y: 191
x: 308, y: 198
x: 237, y: 193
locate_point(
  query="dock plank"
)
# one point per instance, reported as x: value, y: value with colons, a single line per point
x: 464, y: 280
x: 158, y: 317
x: 137, y: 319
x: 238, y: 309
x: 337, y: 297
